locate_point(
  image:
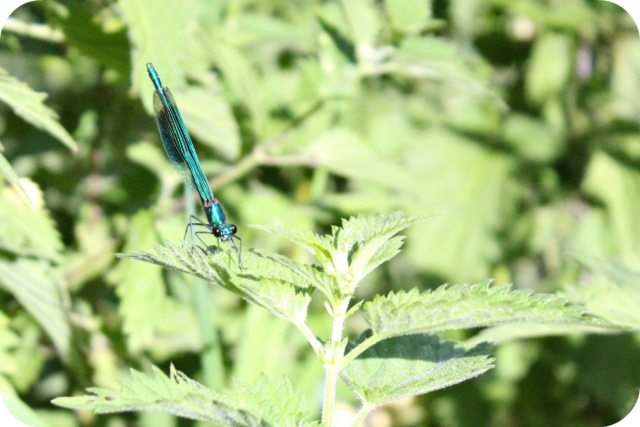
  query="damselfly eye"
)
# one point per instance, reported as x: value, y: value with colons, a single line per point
x: 233, y: 229
x: 216, y: 232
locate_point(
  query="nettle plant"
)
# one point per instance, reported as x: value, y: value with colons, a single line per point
x: 399, y: 356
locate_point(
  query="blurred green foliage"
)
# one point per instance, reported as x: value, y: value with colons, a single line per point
x: 519, y: 119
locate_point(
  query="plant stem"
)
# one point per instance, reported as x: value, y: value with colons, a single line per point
x: 360, y: 348
x: 333, y: 355
x: 311, y: 338
x: 362, y: 413
x: 260, y: 153
x: 330, y: 384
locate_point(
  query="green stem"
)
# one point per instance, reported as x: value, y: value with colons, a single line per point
x: 333, y: 355
x: 362, y: 413
x: 330, y: 384
x: 357, y: 351
x: 260, y: 154
x: 311, y: 338
x: 36, y: 31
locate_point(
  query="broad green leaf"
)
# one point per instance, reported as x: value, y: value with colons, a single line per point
x: 364, y: 22
x: 327, y: 284
x: 40, y: 289
x: 242, y: 80
x: 21, y: 354
x: 477, y: 190
x: 319, y: 246
x: 618, y: 186
x: 273, y: 401
x: 612, y: 292
x: 262, y: 281
x: 550, y: 66
x: 341, y: 151
x: 408, y: 366
x: 335, y: 24
x: 533, y: 139
x: 162, y: 32
x: 208, y: 116
x: 155, y: 159
x: 569, y: 15
x: 95, y: 247
x: 267, y: 404
x: 110, y: 49
x: 152, y: 319
x: 408, y: 15
x: 625, y: 83
x: 435, y: 58
x: 176, y: 394
x: 469, y: 306
x: 27, y: 230
x: 351, y: 251
x: 12, y: 177
x: 297, y: 32
x: 369, y: 240
x: 29, y: 105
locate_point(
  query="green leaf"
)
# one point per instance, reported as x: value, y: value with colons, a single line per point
x: 409, y: 15
x: 327, y: 284
x: 343, y: 152
x: 242, y: 80
x: 110, y: 49
x: 550, y: 66
x: 625, y: 83
x: 161, y: 32
x: 272, y: 401
x: 155, y: 159
x: 612, y: 292
x: 409, y: 366
x: 477, y: 189
x: 615, y: 183
x: 27, y: 230
x: 21, y: 355
x: 28, y: 104
x: 208, y: 116
x: 176, y: 394
x: 350, y: 252
x: 369, y: 240
x: 341, y: 42
x: 364, y: 22
x: 12, y: 177
x: 39, y: 288
x: 469, y: 306
x: 268, y: 403
x: 262, y: 281
x: 533, y: 139
x: 152, y: 320
x: 319, y: 246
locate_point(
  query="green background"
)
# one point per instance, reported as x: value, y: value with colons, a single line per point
x: 519, y: 120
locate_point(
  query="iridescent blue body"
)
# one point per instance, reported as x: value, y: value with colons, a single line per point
x: 177, y: 143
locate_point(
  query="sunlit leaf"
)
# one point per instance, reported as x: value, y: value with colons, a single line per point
x: 268, y: 403
x: 12, y: 177
x: 39, y: 287
x: 29, y: 105
x: 470, y: 306
x: 408, y: 15
x: 618, y: 186
x: 409, y: 366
